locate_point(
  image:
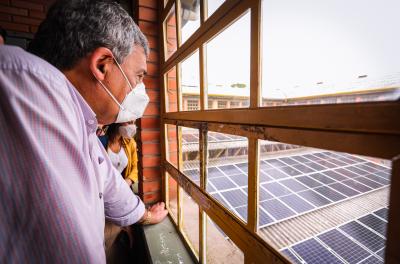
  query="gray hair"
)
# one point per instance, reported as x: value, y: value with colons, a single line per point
x: 74, y: 28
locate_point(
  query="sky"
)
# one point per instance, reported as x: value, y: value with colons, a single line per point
x: 305, y: 42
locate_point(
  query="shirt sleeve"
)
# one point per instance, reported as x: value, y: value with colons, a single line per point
x: 121, y: 205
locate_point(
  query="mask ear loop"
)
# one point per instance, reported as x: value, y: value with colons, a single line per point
x: 110, y: 94
x: 123, y: 73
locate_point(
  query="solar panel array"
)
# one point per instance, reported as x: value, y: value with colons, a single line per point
x: 290, y: 186
x: 193, y: 137
x: 359, y: 241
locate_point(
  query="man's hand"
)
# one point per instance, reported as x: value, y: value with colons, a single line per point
x: 155, y: 214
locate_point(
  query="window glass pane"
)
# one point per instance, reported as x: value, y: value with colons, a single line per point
x: 172, y: 197
x: 228, y: 66
x: 220, y: 249
x: 171, y: 91
x: 227, y: 168
x: 190, y: 154
x: 170, y: 25
x: 172, y: 145
x: 190, y: 18
x: 213, y: 5
x: 317, y: 204
x: 328, y: 52
x: 190, y: 83
x: 190, y: 221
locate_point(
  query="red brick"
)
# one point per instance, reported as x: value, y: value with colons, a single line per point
x: 28, y: 21
x: 153, y: 42
x: 150, y: 136
x: 37, y: 14
x: 5, y: 2
x: 5, y: 17
x: 150, y: 3
x: 153, y: 56
x: 151, y: 161
x: 149, y: 122
x: 151, y: 186
x: 13, y: 10
x: 148, y: 28
x: 151, y: 148
x: 14, y: 26
x: 152, y: 82
x: 152, y: 69
x: 152, y: 109
x: 26, y: 4
x: 150, y: 198
x: 34, y: 29
x: 151, y: 173
x: 147, y: 14
x: 154, y: 95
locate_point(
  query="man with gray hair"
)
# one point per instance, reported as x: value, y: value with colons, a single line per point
x: 57, y: 183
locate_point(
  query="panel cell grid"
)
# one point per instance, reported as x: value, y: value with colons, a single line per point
x: 314, y: 198
x: 277, y: 209
x: 297, y: 203
x: 382, y: 213
x: 349, y: 192
x: 344, y: 246
x: 363, y: 235
x: 311, y: 251
x: 236, y: 197
x: 374, y: 223
x: 330, y: 193
x: 222, y: 183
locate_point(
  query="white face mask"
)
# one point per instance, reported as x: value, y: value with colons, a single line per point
x: 135, y: 102
x: 127, y: 131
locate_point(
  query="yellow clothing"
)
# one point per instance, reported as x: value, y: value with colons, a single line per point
x: 131, y: 170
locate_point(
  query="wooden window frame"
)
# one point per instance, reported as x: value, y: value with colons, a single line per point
x: 369, y: 129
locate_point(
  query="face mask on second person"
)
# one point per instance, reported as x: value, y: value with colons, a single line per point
x: 127, y: 131
x: 135, y: 102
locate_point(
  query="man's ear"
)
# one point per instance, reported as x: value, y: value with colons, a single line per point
x: 100, y: 62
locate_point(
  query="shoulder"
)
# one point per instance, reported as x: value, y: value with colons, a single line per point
x: 129, y: 142
x: 14, y: 58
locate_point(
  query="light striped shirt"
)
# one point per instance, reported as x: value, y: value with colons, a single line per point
x: 57, y: 183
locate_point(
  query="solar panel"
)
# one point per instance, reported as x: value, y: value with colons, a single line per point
x: 349, y: 192
x: 330, y: 193
x: 326, y: 164
x: 382, y: 213
x: 264, y: 218
x: 303, y: 168
x: 347, y: 173
x: 293, y: 185
x: 289, y: 161
x: 235, y: 197
x: 314, y: 165
x: 322, y: 178
x: 291, y: 256
x: 313, y: 252
x: 229, y: 170
x: 242, y: 212
x: 289, y: 171
x: 381, y: 253
x: 314, y: 198
x: 343, y: 246
x: 222, y: 183
x: 309, y: 181
x: 337, y: 162
x: 371, y: 260
x: 374, y: 223
x: 264, y: 195
x: 240, y: 179
x: 210, y: 188
x: 297, y: 203
x: 356, y: 185
x: 275, y: 163
x: 214, y: 172
x: 363, y: 235
x: 383, y: 174
x: 264, y: 177
x: 336, y: 176
x: 300, y: 159
x: 376, y: 178
x: 192, y: 174
x: 275, y: 174
x: 369, y: 183
x: 356, y: 170
x: 220, y: 199
x: 276, y: 189
x: 243, y: 166
x: 277, y: 209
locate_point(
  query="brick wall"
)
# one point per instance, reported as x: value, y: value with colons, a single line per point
x: 146, y: 16
x: 21, y: 19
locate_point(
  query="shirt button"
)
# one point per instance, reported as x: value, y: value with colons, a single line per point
x: 100, y: 195
x: 91, y: 122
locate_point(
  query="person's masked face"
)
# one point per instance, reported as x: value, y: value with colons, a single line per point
x: 135, y: 102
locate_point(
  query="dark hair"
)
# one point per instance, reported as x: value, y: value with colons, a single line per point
x: 74, y: 28
x: 3, y: 33
x: 112, y: 131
